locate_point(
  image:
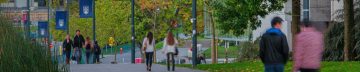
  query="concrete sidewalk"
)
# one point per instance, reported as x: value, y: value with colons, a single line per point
x: 123, y: 68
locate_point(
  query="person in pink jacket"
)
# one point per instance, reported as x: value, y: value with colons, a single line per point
x: 308, y: 49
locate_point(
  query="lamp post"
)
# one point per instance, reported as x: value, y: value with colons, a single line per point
x: 133, y: 33
x: 28, y: 20
x: 194, y: 39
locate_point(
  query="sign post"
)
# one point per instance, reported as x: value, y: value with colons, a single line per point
x: 194, y: 40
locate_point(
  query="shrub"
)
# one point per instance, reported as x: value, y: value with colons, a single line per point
x: 20, y: 54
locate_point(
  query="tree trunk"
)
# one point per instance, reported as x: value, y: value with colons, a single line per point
x: 213, y: 41
x: 295, y: 19
x: 348, y: 22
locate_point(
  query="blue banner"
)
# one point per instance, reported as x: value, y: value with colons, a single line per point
x: 86, y: 8
x: 61, y: 20
x: 43, y: 29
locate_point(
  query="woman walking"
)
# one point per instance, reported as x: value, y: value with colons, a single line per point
x: 88, y: 49
x: 170, y: 43
x: 148, y: 47
x: 67, y: 44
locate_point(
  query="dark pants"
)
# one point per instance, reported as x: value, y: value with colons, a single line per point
x: 67, y: 53
x: 170, y: 55
x: 274, y: 67
x: 149, y: 58
x: 96, y: 58
x: 308, y: 70
x: 87, y: 55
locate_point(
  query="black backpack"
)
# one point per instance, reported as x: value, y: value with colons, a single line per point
x: 176, y: 51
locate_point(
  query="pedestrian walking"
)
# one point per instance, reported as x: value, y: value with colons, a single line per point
x: 79, y: 41
x: 170, y: 43
x: 67, y: 44
x: 148, y: 47
x: 97, y: 52
x: 308, y: 49
x: 274, y: 49
x: 88, y: 48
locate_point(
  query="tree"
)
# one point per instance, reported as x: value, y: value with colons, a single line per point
x: 156, y: 16
x: 236, y: 16
x: 348, y: 23
x: 334, y: 37
x: 112, y: 20
x: 295, y: 19
x: 212, y: 4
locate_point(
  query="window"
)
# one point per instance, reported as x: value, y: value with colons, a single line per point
x: 306, y: 9
x: 306, y: 4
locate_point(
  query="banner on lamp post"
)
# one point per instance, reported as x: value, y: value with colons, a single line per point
x: 43, y: 29
x: 86, y: 8
x: 61, y: 20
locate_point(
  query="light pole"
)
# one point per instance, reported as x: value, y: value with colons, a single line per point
x: 194, y: 39
x: 133, y: 32
x: 94, y: 21
x: 28, y: 20
x: 68, y: 16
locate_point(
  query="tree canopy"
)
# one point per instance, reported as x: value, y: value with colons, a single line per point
x: 236, y: 16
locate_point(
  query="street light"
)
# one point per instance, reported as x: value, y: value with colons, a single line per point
x: 193, y: 20
x: 133, y: 33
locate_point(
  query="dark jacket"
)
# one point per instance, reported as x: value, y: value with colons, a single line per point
x: 79, y: 41
x: 67, y: 45
x: 97, y: 49
x: 274, y: 48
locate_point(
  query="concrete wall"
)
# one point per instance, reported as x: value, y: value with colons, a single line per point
x: 320, y: 10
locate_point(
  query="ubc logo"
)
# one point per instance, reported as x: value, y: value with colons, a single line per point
x: 86, y: 10
x: 61, y: 22
x: 42, y: 31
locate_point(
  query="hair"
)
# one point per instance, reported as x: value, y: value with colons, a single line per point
x: 276, y: 20
x: 96, y: 42
x: 170, y: 39
x: 150, y: 37
x: 67, y: 36
x: 88, y: 40
x: 306, y: 23
x: 77, y: 30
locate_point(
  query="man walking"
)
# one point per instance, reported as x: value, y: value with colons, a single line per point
x: 308, y: 48
x: 79, y: 41
x: 274, y: 49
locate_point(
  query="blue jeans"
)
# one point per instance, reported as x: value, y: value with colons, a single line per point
x: 274, y: 67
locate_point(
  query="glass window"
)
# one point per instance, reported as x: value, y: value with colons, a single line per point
x: 306, y: 4
x: 306, y: 14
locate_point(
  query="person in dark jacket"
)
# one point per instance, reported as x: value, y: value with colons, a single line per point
x: 274, y: 49
x: 79, y: 41
x: 67, y: 44
x: 97, y: 52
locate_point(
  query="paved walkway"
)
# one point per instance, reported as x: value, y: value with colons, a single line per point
x: 123, y: 68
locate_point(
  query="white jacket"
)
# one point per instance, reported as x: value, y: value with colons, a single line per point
x: 169, y: 48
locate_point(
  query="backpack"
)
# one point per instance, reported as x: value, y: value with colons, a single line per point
x: 176, y: 51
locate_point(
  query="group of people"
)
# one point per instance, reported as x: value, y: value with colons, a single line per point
x: 307, y: 51
x: 169, y: 48
x: 77, y: 44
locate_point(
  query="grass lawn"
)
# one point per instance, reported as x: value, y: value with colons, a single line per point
x: 257, y: 66
x: 233, y: 52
